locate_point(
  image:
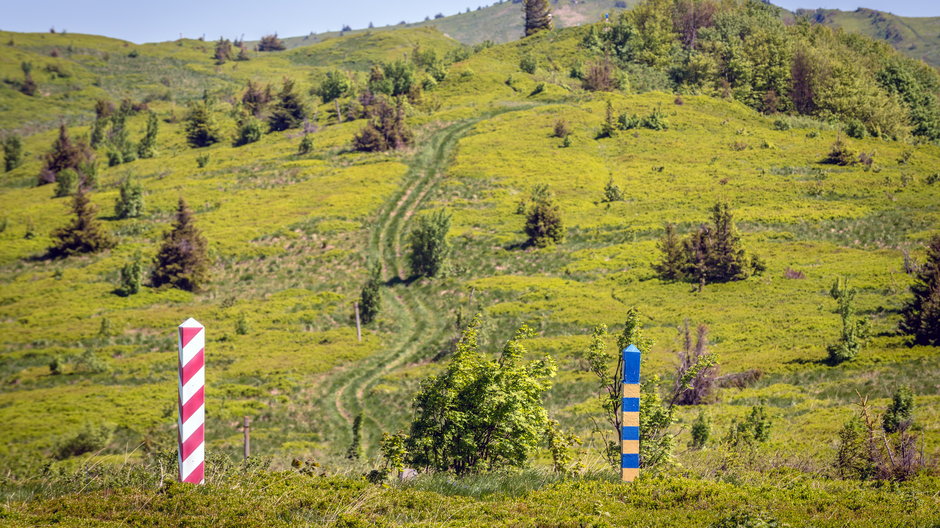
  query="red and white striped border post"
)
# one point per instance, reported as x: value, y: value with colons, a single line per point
x: 192, y: 399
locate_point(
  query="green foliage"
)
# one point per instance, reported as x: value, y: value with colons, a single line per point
x: 394, y: 448
x: 853, y: 456
x: 271, y: 43
x: 289, y: 111
x: 354, y: 452
x: 370, y: 298
x: 855, y: 129
x: 854, y: 330
x: 701, y: 431
x: 899, y: 416
x: 921, y: 314
x: 84, y: 234
x: 241, y: 325
x: 92, y: 437
x: 257, y: 98
x: 675, y: 261
x: 480, y: 413
x: 120, y: 148
x: 562, y: 129
x: 394, y: 79
x: 223, y: 51
x: 130, y: 201
x: 748, y: 519
x: 656, y: 120
x: 609, y: 126
x: 147, y: 148
x: 66, y: 183
x: 753, y: 430
x: 334, y: 85
x: 131, y: 277
x: 90, y: 363
x: 306, y: 145
x: 12, y: 152
x: 182, y: 261
x: 841, y: 153
x: 66, y: 154
x: 528, y: 64
x: 428, y: 244
x: 560, y: 445
x: 28, y: 86
x: 538, y: 16
x: 201, y: 127
x: 56, y: 366
x: 250, y: 130
x: 543, y: 224
x: 612, y: 192
x: 386, y: 130
x: 202, y: 160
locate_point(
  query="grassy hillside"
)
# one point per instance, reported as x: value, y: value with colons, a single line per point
x: 291, y: 237
x: 915, y: 37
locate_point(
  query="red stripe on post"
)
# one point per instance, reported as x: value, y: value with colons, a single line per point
x: 193, y: 404
x: 194, y: 441
x: 187, y: 333
x: 190, y: 369
x: 198, y: 474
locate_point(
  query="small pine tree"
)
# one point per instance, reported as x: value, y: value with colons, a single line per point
x: 538, y: 16
x: 355, y: 446
x: 66, y: 183
x: 701, y: 431
x: 921, y: 314
x: 84, y: 234
x: 28, y: 87
x: 271, y: 43
x: 131, y: 277
x: 306, y: 145
x: 182, y: 261
x: 727, y: 260
x: 130, y: 202
x: 370, y: 298
x: 841, y: 153
x: 853, y: 330
x: 147, y: 147
x: 429, y: 245
x: 242, y: 53
x: 612, y: 192
x: 674, y: 262
x: 289, y: 111
x: 257, y: 98
x: 241, y: 325
x: 609, y: 127
x: 201, y: 128
x: 223, y: 51
x: 66, y: 154
x: 543, y: 225
x: 12, y: 152
x: 900, y: 414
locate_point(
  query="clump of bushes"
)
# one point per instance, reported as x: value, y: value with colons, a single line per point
x: 429, y: 247
x: 386, y: 130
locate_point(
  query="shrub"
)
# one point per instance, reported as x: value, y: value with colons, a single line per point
x: 182, y: 261
x: 28, y: 86
x: 561, y: 129
x: 538, y: 16
x: 781, y: 124
x: 701, y: 431
x: 612, y: 192
x: 130, y: 201
x: 241, y: 325
x: 289, y: 110
x: 856, y: 129
x: 249, y: 131
x: 900, y: 414
x: 84, y: 234
x: 91, y: 438
x: 91, y: 363
x: 920, y: 316
x: 528, y: 64
x: 656, y: 120
x: 429, y: 247
x: 271, y: 43
x: 674, y: 263
x: 66, y: 154
x: 853, y: 330
x: 481, y: 413
x: 841, y: 153
x: 334, y: 85
x: 131, y: 277
x: 601, y: 76
x: 201, y: 128
x: 147, y: 147
x: 370, y: 297
x: 753, y: 430
x: 66, y: 183
x: 223, y: 51
x: 12, y: 152
x: 202, y: 160
x: 394, y: 78
x: 386, y: 130
x: 543, y: 224
x: 306, y: 145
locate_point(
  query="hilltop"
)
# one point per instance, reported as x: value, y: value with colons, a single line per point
x: 828, y: 172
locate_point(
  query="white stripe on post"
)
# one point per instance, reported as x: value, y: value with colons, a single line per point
x: 192, y: 399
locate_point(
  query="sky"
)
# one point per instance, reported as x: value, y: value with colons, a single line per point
x: 169, y: 19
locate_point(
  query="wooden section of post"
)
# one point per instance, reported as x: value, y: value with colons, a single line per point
x: 630, y: 413
x: 358, y: 323
x: 247, y: 426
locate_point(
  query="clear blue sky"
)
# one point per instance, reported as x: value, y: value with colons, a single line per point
x: 168, y: 19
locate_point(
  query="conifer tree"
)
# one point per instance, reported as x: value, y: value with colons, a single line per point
x: 289, y: 111
x: 543, y: 224
x: 201, y: 129
x: 306, y: 145
x: 429, y: 246
x: 674, y: 262
x: 370, y: 299
x: 130, y: 202
x: 223, y: 51
x: 84, y: 234
x: 256, y: 99
x: 66, y: 154
x: 921, y: 315
x: 147, y: 147
x: 131, y: 276
x: 538, y: 16
x: 386, y: 130
x: 727, y: 260
x: 28, y: 87
x: 12, y: 152
x: 182, y: 261
x: 103, y: 110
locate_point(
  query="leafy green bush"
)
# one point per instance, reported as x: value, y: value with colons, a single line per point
x: 249, y: 131
x: 428, y: 244
x: 288, y: 111
x: 92, y: 437
x: 334, y: 85
x: 854, y: 330
x: 528, y: 64
x: 130, y: 201
x: 66, y: 183
x: 131, y: 277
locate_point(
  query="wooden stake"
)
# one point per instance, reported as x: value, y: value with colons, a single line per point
x: 358, y: 323
x: 247, y: 427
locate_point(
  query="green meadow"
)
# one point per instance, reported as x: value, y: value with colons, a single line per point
x: 291, y: 237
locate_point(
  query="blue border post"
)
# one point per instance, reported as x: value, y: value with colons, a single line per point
x: 630, y: 415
